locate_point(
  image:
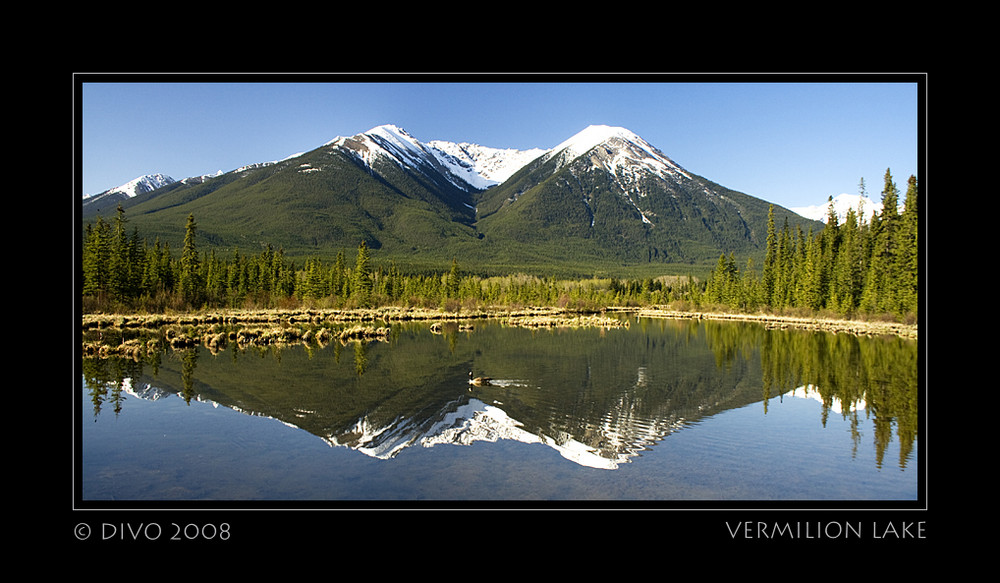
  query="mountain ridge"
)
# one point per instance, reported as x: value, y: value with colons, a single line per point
x: 602, y: 197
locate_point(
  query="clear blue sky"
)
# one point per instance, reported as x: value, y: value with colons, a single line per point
x: 792, y: 143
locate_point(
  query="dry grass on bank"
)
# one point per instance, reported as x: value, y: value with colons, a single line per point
x: 108, y: 333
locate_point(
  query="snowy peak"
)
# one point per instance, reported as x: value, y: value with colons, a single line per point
x: 620, y: 150
x: 140, y: 185
x: 595, y: 135
x: 389, y: 143
x: 472, y: 166
x: 468, y: 166
x: 386, y: 140
x: 482, y: 166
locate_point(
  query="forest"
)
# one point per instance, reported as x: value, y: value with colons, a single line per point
x: 858, y: 268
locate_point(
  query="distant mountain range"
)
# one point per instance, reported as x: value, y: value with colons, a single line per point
x: 604, y: 200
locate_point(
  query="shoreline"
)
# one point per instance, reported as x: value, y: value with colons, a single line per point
x: 778, y: 322
x: 528, y: 316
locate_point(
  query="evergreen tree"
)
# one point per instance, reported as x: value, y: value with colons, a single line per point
x: 214, y: 275
x: 453, y: 281
x: 848, y: 269
x: 165, y: 269
x: 95, y: 260
x: 119, y: 268
x: 829, y: 249
x: 338, y: 276
x: 907, y: 258
x: 361, y: 284
x: 880, y: 282
x: 750, y: 297
x: 315, y: 281
x: 811, y: 285
x: 137, y: 264
x: 769, y: 276
x: 190, y: 271
x: 234, y: 279
x: 784, y: 273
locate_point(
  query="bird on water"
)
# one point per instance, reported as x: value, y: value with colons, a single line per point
x: 478, y: 380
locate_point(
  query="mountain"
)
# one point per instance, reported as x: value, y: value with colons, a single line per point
x: 481, y: 166
x: 841, y: 204
x: 111, y: 197
x: 607, y: 195
x: 603, y: 200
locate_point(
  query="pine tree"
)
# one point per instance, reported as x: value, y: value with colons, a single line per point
x: 95, y: 260
x: 453, y: 281
x: 880, y: 283
x: 845, y: 287
x: 830, y: 248
x: 316, y: 279
x: 361, y: 284
x: 337, y: 276
x: 769, y: 276
x: 137, y: 264
x: 784, y: 272
x: 907, y: 258
x: 190, y: 272
x: 119, y: 268
x: 749, y: 288
x: 819, y: 261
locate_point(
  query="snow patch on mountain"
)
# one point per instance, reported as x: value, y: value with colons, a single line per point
x: 138, y: 186
x: 863, y: 206
x: 482, y: 166
x: 202, y: 178
x: 626, y: 151
x: 465, y: 165
x: 628, y: 158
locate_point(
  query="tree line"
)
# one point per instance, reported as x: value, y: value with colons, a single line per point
x: 122, y: 271
x: 851, y: 268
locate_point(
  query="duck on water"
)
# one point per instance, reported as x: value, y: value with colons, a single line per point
x: 479, y: 381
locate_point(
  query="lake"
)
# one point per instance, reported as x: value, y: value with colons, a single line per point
x: 662, y: 410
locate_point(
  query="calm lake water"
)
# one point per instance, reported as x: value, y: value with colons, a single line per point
x: 664, y: 410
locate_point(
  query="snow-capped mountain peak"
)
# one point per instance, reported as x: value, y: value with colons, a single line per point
x: 140, y: 185
x: 595, y: 135
x: 863, y: 207
x: 625, y: 150
x: 383, y: 140
x: 465, y: 165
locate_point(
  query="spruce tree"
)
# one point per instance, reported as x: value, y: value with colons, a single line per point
x: 768, y: 276
x: 361, y: 284
x: 95, y: 260
x: 137, y: 264
x: 783, y: 269
x: 119, y: 268
x: 338, y: 276
x: 452, y: 285
x: 907, y: 258
x: 845, y: 287
x: 190, y: 269
x: 881, y: 281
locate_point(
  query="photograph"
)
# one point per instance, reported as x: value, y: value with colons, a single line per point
x: 305, y: 298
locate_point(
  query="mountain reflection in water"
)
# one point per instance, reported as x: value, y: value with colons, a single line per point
x: 598, y: 397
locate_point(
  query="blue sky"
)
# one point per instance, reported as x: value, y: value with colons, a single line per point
x: 792, y: 143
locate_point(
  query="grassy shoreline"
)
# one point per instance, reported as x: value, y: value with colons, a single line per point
x: 774, y: 321
x: 527, y: 316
